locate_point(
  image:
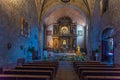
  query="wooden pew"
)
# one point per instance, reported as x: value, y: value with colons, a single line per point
x: 23, y: 77
x: 89, y: 64
x: 45, y: 62
x: 97, y: 68
x: 36, y: 68
x: 75, y: 65
x: 107, y: 66
x: 100, y: 65
x: 86, y: 62
x: 29, y: 72
x: 102, y: 78
x: 42, y: 65
x: 99, y: 73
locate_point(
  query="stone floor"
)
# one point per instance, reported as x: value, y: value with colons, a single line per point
x: 66, y: 71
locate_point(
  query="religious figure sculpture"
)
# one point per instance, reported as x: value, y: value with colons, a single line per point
x: 78, y: 50
x: 64, y: 42
x: 64, y: 31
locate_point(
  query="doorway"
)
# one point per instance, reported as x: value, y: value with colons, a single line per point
x: 107, y: 46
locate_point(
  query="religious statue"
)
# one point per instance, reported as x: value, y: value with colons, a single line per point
x: 64, y: 42
x: 56, y: 43
x: 64, y: 31
x: 78, y: 50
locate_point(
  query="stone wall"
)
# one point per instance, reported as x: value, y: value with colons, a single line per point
x: 11, y: 12
x: 111, y: 18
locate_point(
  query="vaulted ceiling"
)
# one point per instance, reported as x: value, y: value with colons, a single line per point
x: 74, y: 14
x: 43, y: 7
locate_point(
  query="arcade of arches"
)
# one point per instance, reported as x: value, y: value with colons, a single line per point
x: 59, y: 30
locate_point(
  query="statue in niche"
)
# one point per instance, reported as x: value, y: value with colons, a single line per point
x: 64, y: 42
x: 64, y: 31
x: 78, y: 50
x: 56, y: 43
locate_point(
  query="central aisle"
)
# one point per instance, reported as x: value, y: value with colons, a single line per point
x: 66, y: 71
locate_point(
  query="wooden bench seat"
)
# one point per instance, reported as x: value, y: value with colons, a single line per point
x: 36, y: 68
x: 99, y: 73
x: 77, y: 67
x: 94, y: 66
x: 97, y: 68
x: 23, y: 77
x: 42, y: 65
x: 29, y: 72
x: 104, y: 65
x: 44, y: 62
x: 86, y: 62
x: 102, y: 78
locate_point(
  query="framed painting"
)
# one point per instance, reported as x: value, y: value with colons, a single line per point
x: 24, y: 28
x: 80, y: 33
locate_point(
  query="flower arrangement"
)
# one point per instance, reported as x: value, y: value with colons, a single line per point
x: 96, y: 50
x: 31, y: 49
x: 34, y: 52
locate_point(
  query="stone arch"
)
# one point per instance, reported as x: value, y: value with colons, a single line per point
x: 62, y: 5
x: 69, y: 6
x: 107, y: 44
x: 104, y: 28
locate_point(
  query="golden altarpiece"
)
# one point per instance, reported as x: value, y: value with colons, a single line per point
x: 64, y: 35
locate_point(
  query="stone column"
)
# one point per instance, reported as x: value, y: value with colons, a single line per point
x: 96, y: 26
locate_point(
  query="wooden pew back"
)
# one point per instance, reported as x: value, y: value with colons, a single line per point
x: 102, y: 78
x: 23, y: 77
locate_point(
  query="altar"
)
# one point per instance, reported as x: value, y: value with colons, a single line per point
x: 64, y: 56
